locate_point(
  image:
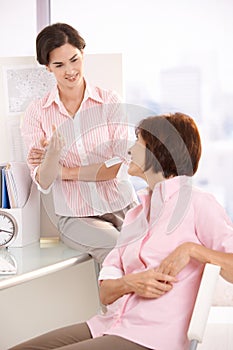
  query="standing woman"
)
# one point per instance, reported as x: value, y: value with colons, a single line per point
x: 77, y: 140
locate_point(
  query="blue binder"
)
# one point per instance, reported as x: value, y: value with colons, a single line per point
x: 5, y: 197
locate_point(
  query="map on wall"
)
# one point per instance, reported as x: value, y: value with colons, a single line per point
x: 23, y: 84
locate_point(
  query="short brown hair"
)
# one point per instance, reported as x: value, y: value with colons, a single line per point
x: 54, y: 36
x: 173, y: 144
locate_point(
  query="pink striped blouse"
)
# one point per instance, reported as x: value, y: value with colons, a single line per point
x: 97, y: 133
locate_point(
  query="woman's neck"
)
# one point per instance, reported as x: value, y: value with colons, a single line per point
x: 72, y: 98
x: 153, y: 178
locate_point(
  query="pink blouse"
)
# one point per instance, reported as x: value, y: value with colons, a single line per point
x: 97, y: 133
x: 179, y: 213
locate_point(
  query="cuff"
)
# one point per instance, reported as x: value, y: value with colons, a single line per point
x: 112, y: 161
x: 45, y: 191
x: 110, y: 272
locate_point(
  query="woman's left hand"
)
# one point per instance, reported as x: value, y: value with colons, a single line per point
x: 36, y: 156
x: 176, y: 261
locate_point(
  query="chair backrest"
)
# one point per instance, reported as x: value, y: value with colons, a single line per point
x: 202, y: 305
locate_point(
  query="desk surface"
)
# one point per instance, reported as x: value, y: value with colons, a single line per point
x: 40, y: 259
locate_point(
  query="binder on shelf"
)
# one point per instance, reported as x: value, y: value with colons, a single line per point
x: 1, y: 167
x: 17, y: 184
x: 5, y: 196
x: 23, y: 202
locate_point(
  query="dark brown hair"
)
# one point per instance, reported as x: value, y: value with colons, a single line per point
x: 54, y: 36
x: 173, y: 144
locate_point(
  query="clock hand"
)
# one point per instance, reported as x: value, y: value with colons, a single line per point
x: 5, y: 231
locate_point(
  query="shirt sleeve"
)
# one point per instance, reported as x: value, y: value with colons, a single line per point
x: 32, y: 131
x: 214, y: 228
x: 112, y: 266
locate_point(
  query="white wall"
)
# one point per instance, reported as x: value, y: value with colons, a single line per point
x: 17, y: 37
x: 17, y: 27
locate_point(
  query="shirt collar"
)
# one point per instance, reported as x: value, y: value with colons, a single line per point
x: 52, y: 96
x: 165, y: 188
x: 90, y: 92
x: 170, y: 186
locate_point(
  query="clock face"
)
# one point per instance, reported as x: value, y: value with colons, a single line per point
x: 8, y: 229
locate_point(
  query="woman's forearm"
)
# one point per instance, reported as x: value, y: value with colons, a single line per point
x: 95, y: 172
x: 49, y: 168
x: 224, y: 260
x: 146, y: 284
x: 113, y: 289
x: 48, y: 171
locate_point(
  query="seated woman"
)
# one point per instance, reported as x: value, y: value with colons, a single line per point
x: 150, y: 279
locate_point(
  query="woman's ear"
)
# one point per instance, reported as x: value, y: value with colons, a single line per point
x: 48, y: 68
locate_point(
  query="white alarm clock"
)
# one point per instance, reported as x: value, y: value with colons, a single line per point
x: 8, y: 229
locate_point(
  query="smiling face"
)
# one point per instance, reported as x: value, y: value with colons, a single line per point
x: 138, y: 156
x: 66, y: 63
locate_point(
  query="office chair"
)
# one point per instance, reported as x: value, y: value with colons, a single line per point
x: 202, y: 305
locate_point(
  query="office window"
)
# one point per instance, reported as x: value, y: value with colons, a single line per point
x: 177, y: 55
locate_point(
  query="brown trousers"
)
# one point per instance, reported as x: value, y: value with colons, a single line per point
x: 77, y: 337
x: 95, y: 235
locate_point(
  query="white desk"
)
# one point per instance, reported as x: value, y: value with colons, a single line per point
x: 40, y: 259
x: 54, y: 286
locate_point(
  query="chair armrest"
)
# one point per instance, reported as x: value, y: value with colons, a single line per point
x: 203, y: 302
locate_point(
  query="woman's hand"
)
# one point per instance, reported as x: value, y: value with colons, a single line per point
x: 177, y: 260
x: 36, y: 156
x: 49, y: 148
x: 149, y: 283
x: 49, y: 168
x: 55, y: 144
